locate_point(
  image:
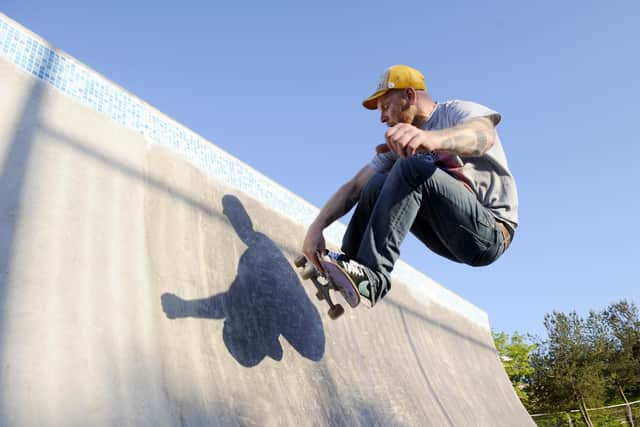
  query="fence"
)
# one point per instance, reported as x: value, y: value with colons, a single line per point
x: 608, y: 416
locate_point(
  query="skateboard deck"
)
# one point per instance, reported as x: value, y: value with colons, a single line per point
x: 334, y: 280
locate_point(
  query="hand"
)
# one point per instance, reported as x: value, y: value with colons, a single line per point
x: 406, y: 140
x: 314, y: 243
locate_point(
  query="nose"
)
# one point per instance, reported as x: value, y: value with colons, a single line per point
x: 384, y: 117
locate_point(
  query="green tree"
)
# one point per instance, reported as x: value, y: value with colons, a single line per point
x: 623, y: 362
x: 514, y: 353
x: 569, y: 366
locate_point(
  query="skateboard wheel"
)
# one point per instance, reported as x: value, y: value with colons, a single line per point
x: 320, y: 296
x: 308, y: 272
x: 336, y: 311
x: 300, y: 261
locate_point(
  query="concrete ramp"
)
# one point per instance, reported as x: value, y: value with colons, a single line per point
x: 139, y: 290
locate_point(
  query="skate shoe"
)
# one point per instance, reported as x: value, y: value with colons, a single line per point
x: 353, y: 279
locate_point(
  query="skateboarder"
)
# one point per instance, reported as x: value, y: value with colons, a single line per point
x: 441, y: 174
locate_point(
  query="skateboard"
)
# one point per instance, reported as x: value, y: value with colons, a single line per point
x: 333, y: 280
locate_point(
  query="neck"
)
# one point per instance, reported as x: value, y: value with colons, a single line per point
x: 425, y: 111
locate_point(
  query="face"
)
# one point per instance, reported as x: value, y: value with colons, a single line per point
x: 397, y: 106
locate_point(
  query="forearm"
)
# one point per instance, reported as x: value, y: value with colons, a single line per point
x: 472, y: 138
x: 337, y: 206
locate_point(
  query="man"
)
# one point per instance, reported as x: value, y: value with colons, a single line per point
x: 442, y: 175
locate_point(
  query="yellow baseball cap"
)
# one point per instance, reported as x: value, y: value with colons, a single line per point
x: 395, y: 77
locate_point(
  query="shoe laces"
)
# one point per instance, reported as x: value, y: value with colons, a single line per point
x: 353, y: 268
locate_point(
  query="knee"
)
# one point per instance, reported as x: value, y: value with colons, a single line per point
x: 416, y: 169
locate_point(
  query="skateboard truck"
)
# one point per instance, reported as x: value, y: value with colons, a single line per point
x: 309, y: 272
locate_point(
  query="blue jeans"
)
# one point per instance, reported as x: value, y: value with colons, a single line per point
x: 439, y: 210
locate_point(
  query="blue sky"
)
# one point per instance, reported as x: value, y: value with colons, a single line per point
x: 278, y: 84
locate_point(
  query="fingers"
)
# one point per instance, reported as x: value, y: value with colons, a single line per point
x: 311, y: 254
x: 316, y: 262
x: 312, y: 257
x: 391, y: 141
x: 399, y: 136
x: 313, y: 246
x: 404, y: 139
x: 413, y: 145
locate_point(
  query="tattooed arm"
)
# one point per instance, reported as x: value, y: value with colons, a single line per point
x: 338, y: 205
x: 471, y: 138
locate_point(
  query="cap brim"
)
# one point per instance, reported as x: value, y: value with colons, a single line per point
x: 371, y: 103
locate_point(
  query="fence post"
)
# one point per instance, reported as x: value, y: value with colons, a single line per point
x: 629, y: 413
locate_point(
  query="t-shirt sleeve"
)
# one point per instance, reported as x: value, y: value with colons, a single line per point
x: 383, y: 162
x: 461, y: 111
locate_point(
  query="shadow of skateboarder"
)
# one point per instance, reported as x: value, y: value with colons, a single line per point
x: 265, y: 301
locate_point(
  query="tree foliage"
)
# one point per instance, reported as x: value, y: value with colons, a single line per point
x: 569, y: 365
x: 623, y: 367
x: 514, y: 353
x: 583, y: 362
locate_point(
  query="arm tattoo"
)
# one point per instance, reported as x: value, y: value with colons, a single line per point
x: 473, y: 138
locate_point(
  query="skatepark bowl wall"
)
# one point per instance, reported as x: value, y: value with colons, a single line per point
x: 148, y: 280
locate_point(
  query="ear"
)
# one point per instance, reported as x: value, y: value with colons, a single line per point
x: 411, y: 95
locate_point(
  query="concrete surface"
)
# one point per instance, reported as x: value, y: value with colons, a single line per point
x: 136, y: 290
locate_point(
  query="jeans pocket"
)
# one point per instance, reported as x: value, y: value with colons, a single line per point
x: 479, y: 249
x: 483, y: 242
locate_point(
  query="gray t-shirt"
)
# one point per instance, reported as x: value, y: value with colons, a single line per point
x: 488, y: 176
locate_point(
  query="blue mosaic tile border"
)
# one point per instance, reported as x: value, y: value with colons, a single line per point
x: 43, y: 61
x: 38, y: 58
